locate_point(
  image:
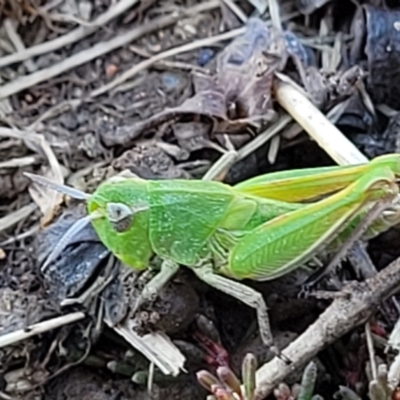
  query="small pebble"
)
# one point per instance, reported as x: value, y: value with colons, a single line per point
x: 205, y: 56
x: 173, y: 81
x: 111, y: 70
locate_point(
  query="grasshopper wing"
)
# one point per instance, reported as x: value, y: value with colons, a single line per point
x: 313, y: 183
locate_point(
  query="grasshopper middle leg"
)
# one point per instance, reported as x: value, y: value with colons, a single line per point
x: 247, y: 295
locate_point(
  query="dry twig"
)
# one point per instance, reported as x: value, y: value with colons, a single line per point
x: 354, y: 305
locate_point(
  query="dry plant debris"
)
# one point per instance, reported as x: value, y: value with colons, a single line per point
x: 214, y: 90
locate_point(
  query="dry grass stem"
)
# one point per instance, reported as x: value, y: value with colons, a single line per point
x: 394, y: 373
x: 18, y: 162
x: 236, y: 10
x: 221, y: 167
x: 371, y: 350
x: 41, y: 327
x: 274, y: 14
x: 15, y: 39
x: 13, y: 218
x: 274, y: 149
x: 20, y: 236
x: 342, y: 150
x: 264, y: 136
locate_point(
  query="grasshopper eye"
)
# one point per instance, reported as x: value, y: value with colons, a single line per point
x: 120, y: 216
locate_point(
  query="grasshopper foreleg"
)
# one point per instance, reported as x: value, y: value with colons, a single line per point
x: 155, y: 285
x: 247, y: 295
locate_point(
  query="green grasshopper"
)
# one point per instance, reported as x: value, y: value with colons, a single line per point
x: 260, y: 229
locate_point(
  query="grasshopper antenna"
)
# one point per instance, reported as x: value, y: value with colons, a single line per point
x: 69, y: 191
x: 73, y: 230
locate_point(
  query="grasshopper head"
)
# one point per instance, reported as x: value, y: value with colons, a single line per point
x: 119, y: 213
x: 123, y: 223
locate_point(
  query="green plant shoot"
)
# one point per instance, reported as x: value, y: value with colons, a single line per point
x: 260, y: 229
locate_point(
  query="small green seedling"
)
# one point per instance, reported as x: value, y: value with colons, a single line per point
x: 227, y: 386
x: 260, y: 229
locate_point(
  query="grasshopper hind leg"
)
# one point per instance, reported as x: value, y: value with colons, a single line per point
x: 247, y: 295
